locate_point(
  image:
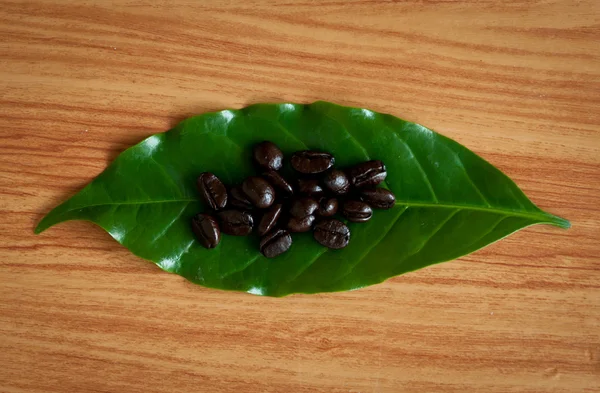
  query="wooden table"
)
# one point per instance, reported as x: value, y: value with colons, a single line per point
x: 518, y: 82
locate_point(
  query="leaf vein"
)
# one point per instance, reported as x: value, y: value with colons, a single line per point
x: 170, y: 224
x: 364, y: 151
x: 281, y: 127
x: 242, y: 269
x: 464, y: 169
x: 363, y: 256
x: 530, y: 215
x: 163, y: 171
x: 437, y: 229
x: 417, y: 161
x: 309, y: 264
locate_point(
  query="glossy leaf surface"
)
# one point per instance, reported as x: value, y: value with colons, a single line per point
x: 450, y: 202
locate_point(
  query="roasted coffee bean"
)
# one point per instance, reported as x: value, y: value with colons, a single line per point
x: 212, y: 190
x: 332, y: 233
x: 206, y: 230
x: 258, y: 191
x: 269, y: 219
x: 369, y: 173
x: 310, y: 187
x: 327, y: 207
x: 235, y: 222
x: 268, y: 156
x: 309, y: 161
x: 301, y: 211
x: 238, y: 199
x: 278, y: 182
x: 379, y: 198
x: 303, y: 224
x: 303, y: 207
x: 357, y: 211
x: 275, y: 243
x: 337, y: 182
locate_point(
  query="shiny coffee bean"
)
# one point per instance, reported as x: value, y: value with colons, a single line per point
x: 378, y: 198
x: 269, y: 219
x: 357, y: 211
x: 303, y: 224
x: 258, y: 191
x: 206, y: 230
x: 337, y: 182
x: 310, y: 187
x: 303, y: 207
x: 327, y: 207
x: 279, y: 182
x: 309, y: 161
x: 235, y: 222
x: 275, y: 243
x: 366, y: 174
x: 332, y: 233
x: 238, y: 199
x: 212, y: 190
x: 268, y: 156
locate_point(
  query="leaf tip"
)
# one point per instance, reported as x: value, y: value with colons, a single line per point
x: 566, y: 224
x: 560, y: 222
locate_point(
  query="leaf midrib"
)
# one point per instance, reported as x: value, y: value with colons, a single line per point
x: 530, y: 215
x: 515, y: 213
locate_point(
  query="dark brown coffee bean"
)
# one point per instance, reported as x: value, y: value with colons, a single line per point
x: 268, y: 156
x: 269, y: 219
x: 309, y: 161
x: 310, y: 187
x: 258, y: 191
x: 238, y: 199
x: 337, y: 182
x: 379, y: 198
x: 206, y: 230
x: 367, y: 174
x: 278, y: 182
x: 212, y: 190
x: 332, y: 233
x: 327, y: 207
x: 303, y: 224
x: 275, y: 243
x: 357, y: 211
x: 235, y: 222
x: 303, y: 207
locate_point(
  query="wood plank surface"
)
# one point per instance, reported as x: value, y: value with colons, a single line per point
x: 516, y: 81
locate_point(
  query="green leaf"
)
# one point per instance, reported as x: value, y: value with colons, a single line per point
x: 450, y: 202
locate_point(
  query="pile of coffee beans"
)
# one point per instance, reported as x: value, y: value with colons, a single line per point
x: 273, y: 206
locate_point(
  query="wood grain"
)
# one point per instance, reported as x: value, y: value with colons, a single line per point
x: 518, y: 82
